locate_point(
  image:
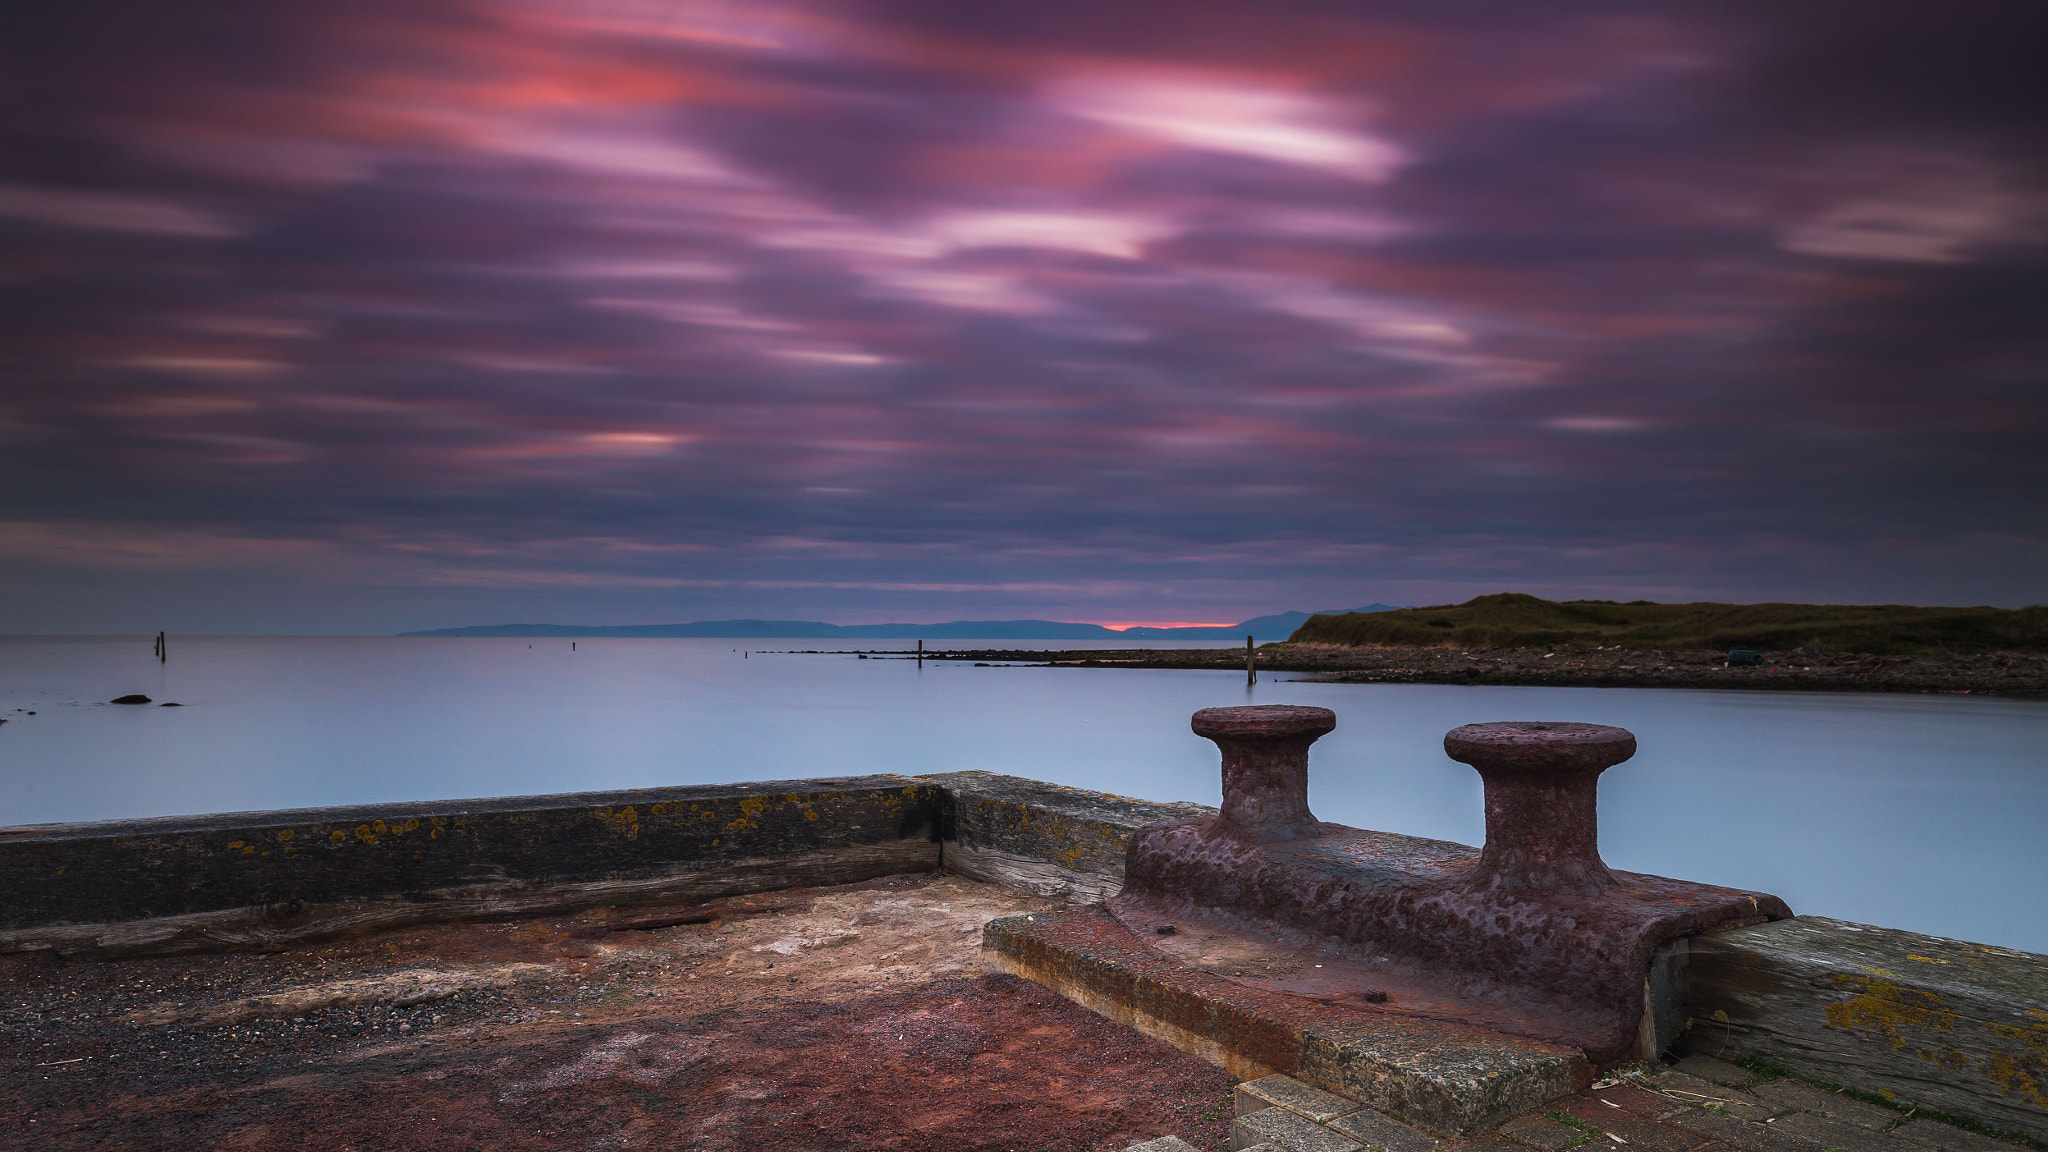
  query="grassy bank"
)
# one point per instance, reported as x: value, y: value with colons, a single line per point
x: 1513, y: 619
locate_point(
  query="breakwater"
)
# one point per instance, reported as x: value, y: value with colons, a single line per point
x: 2014, y: 674
x: 1955, y: 1027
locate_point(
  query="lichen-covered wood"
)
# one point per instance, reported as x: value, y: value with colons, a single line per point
x: 1942, y: 1024
x: 279, y: 862
x: 275, y: 926
x: 1043, y: 838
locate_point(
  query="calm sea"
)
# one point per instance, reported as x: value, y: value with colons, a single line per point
x: 1917, y: 812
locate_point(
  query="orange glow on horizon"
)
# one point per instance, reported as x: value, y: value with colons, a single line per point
x: 1120, y: 625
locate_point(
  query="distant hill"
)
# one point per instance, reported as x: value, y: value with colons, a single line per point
x: 1515, y: 620
x: 1264, y: 629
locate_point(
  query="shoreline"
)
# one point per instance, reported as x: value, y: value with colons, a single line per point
x: 2003, y: 674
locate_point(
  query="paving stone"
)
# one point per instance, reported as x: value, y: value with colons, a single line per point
x: 1164, y: 1144
x: 1376, y: 1131
x: 1292, y: 1133
x: 1493, y: 1143
x: 1686, y: 1089
x: 1545, y: 1134
x: 1719, y: 1071
x: 1833, y: 1134
x: 1646, y: 1133
x: 1742, y: 1134
x: 1949, y: 1138
x: 1640, y: 1101
x: 1833, y: 1105
x: 1291, y: 1094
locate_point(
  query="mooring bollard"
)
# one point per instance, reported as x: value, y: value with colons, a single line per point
x: 1265, y: 766
x: 1542, y: 797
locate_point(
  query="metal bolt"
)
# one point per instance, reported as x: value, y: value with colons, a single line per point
x: 1542, y: 797
x: 1265, y: 767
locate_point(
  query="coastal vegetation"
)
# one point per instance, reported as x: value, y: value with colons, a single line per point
x: 1518, y: 620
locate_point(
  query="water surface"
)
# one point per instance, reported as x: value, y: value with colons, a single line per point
x: 1918, y: 812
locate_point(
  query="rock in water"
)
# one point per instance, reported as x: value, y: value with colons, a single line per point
x: 131, y: 698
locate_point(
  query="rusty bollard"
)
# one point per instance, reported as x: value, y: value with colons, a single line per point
x: 1265, y: 766
x: 1542, y: 791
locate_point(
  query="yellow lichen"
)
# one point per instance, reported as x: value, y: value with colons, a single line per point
x: 365, y: 834
x: 234, y: 843
x: 337, y: 836
x: 286, y: 834
x: 1883, y: 1006
x: 2012, y: 1073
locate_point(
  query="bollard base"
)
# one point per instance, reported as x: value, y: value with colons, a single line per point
x: 1351, y: 913
x: 1442, y: 1076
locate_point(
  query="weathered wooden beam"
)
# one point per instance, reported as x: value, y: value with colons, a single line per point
x: 256, y: 873
x: 1042, y: 838
x: 279, y: 926
x: 1942, y: 1024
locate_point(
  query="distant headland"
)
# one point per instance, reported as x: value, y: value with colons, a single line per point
x: 1263, y: 629
x: 1518, y: 620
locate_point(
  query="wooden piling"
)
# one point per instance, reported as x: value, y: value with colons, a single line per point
x: 1251, y: 667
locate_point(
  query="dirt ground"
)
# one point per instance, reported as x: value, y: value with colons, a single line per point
x: 848, y: 1017
x: 1990, y: 674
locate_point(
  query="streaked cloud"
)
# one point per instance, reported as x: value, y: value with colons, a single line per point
x: 109, y: 212
x: 1234, y: 118
x: 690, y: 308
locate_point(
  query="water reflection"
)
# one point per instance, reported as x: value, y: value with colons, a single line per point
x: 1914, y: 811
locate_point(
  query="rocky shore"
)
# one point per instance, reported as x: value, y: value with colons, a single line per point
x: 1799, y: 670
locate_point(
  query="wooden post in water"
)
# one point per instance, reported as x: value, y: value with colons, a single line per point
x: 163, y: 650
x: 1251, y: 667
x: 920, y: 653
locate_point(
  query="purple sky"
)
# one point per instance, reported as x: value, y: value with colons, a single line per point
x: 411, y: 313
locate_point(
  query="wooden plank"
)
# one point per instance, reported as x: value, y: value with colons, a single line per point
x: 1941, y: 1024
x: 271, y: 927
x: 1046, y: 839
x: 112, y: 871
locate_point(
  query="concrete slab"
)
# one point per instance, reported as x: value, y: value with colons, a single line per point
x: 1740, y: 1134
x: 1446, y: 1078
x: 1291, y: 1094
x: 1949, y: 1138
x: 1164, y: 1144
x: 1833, y: 1134
x: 1280, y: 1127
x: 1833, y: 1105
x: 1538, y: 1132
x: 1719, y: 1071
x: 1381, y: 1134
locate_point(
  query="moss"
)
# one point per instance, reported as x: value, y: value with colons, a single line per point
x: 1765, y: 1070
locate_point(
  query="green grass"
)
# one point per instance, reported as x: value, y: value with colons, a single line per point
x: 1518, y: 620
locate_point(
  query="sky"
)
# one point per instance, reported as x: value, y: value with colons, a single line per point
x: 405, y: 314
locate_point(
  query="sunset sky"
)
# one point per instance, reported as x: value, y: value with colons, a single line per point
x: 390, y: 314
